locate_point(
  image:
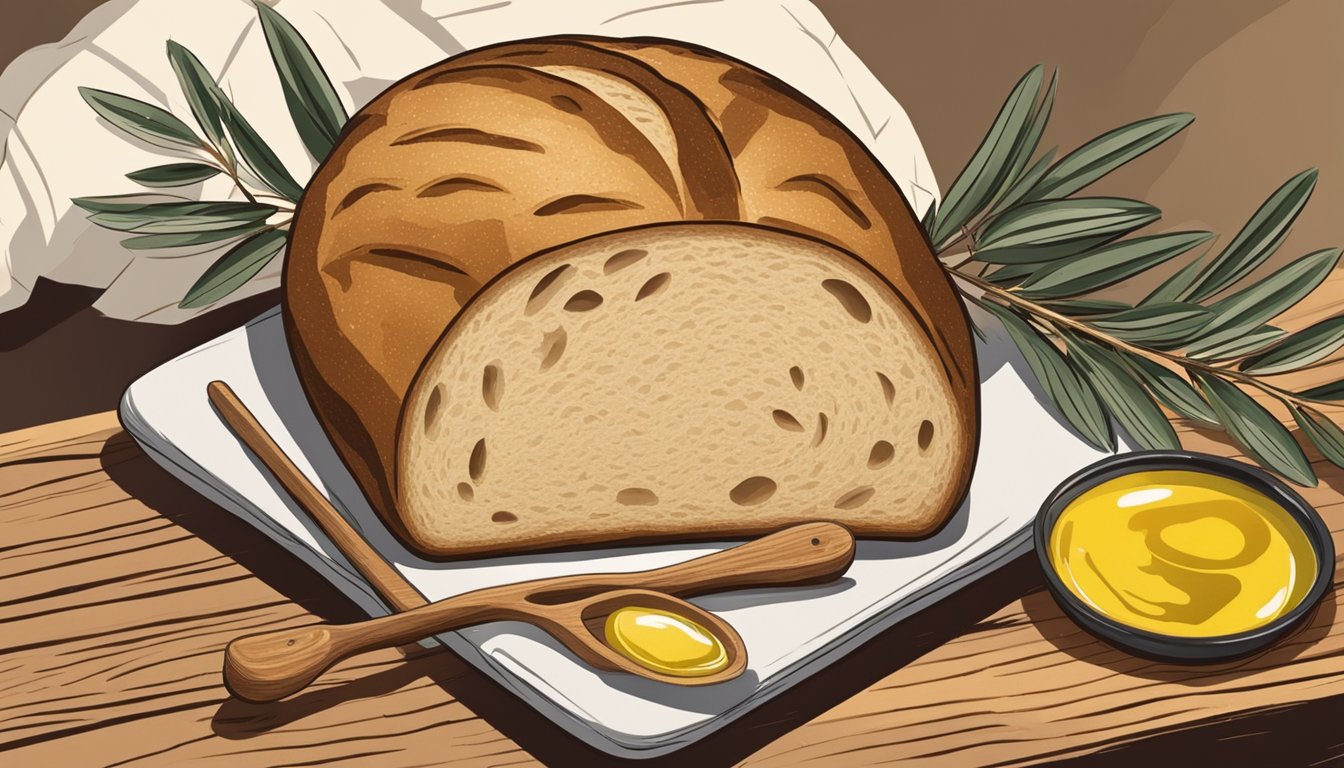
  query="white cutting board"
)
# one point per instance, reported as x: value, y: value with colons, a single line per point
x: 790, y: 633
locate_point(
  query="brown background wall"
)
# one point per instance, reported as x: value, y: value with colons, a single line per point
x: 1261, y: 75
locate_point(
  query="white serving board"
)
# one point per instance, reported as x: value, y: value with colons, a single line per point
x: 1024, y: 453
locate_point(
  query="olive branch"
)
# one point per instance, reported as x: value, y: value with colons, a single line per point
x: 1010, y: 231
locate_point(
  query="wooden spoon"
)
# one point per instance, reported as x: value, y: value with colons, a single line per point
x: 573, y: 609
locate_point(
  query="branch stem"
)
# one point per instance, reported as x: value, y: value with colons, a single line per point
x: 1057, y: 319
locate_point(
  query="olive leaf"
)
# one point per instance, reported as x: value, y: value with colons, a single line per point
x: 202, y: 96
x: 1028, y: 144
x: 1171, y: 389
x: 1307, y: 346
x: 1174, y: 287
x: 1249, y: 308
x: 1072, y: 396
x: 181, y: 239
x: 257, y: 155
x: 1012, y: 274
x: 1107, y: 152
x: 1086, y: 307
x: 1256, y: 430
x: 140, y: 119
x: 1109, y: 264
x: 1328, y: 392
x: 238, y: 265
x: 1025, y: 182
x: 1257, y: 240
x: 1052, y: 229
x: 1127, y: 400
x: 314, y: 107
x: 1248, y: 343
x: 174, y: 174
x: 183, y: 217
x: 1159, y: 326
x: 988, y: 168
x: 1323, y: 433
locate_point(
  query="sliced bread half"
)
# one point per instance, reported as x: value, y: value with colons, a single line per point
x: 680, y: 381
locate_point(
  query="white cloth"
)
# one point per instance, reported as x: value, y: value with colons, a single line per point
x: 56, y: 148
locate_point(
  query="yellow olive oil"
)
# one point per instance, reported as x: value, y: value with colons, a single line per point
x: 1182, y: 553
x: 665, y: 642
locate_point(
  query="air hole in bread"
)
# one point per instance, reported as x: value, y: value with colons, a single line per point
x: 855, y: 498
x: 623, y: 259
x: 432, y: 407
x: 504, y: 517
x: 465, y: 491
x: 881, y: 454
x: 786, y: 421
x: 925, y: 434
x: 653, y: 285
x: 552, y: 347
x: 636, y: 497
x: 796, y: 374
x: 541, y: 293
x: 753, y: 491
x: 850, y: 299
x: 888, y: 389
x: 822, y: 424
x: 492, y: 386
x: 583, y: 301
x: 476, y: 465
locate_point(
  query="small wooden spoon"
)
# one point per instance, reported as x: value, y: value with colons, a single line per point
x: 573, y: 609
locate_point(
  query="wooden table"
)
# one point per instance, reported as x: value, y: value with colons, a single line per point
x: 121, y: 587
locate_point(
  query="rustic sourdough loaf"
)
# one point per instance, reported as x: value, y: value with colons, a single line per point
x: 479, y: 161
x: 677, y: 380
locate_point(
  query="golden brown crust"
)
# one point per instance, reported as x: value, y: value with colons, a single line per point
x: 463, y: 168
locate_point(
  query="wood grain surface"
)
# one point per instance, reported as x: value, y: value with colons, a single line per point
x: 121, y: 588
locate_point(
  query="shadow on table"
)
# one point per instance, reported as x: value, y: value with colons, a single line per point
x: 140, y: 477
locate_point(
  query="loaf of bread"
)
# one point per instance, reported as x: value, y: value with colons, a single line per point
x: 718, y: 379
x: 464, y: 168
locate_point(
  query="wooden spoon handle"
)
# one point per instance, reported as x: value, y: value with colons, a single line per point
x: 809, y: 553
x: 389, y: 583
x: 272, y: 665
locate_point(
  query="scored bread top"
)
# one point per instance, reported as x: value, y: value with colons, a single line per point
x: 687, y: 381
x: 468, y: 166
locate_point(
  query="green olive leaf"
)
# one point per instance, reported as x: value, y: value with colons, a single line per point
x: 1323, y: 433
x: 202, y: 96
x: 1256, y: 430
x: 1073, y: 397
x: 1052, y: 229
x: 257, y: 155
x: 990, y: 166
x: 1126, y: 399
x: 1307, y: 346
x: 1251, y: 342
x: 315, y: 108
x: 1171, y: 389
x: 174, y: 174
x: 1248, y: 309
x: 1109, y: 264
x: 141, y: 119
x: 1257, y: 240
x: 1330, y: 392
x: 238, y: 265
x: 1107, y: 152
x: 1159, y: 326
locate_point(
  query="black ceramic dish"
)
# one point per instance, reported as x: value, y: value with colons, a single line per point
x: 1169, y: 647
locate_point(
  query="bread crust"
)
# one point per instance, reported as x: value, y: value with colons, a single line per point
x: 428, y: 221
